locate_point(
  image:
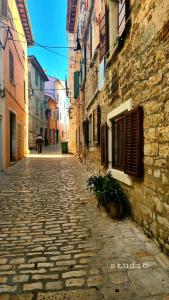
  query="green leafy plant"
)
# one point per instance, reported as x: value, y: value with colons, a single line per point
x: 109, y: 194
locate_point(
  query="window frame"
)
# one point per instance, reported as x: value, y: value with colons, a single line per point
x: 120, y: 121
x: 4, y: 9
x: 36, y: 77
x: 41, y: 84
x: 117, y: 174
x: 11, y: 66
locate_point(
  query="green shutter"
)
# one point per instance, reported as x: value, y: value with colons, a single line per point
x: 76, y: 84
x: 36, y: 77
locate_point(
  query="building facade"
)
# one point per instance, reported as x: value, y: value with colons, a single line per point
x: 17, y: 36
x: 3, y: 14
x: 52, y: 122
x: 72, y: 103
x: 55, y: 89
x: 62, y: 114
x: 124, y: 105
x: 38, y: 122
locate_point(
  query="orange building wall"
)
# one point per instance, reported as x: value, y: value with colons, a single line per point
x: 15, y: 101
x: 52, y: 123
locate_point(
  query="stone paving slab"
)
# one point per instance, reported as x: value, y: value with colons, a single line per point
x: 56, y: 244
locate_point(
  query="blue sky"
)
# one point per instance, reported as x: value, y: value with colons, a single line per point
x: 48, y: 20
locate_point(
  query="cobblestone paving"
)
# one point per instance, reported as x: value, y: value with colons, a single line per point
x: 55, y: 243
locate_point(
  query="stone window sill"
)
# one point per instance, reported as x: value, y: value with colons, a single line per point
x: 121, y: 176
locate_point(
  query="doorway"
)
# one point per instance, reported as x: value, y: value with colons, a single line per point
x: 12, y: 137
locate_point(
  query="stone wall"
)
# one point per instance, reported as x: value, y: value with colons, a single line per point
x: 140, y: 71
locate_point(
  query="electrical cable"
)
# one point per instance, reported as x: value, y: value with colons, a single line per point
x: 47, y: 48
x: 17, y: 51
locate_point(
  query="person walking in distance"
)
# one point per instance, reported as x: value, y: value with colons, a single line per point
x: 39, y: 142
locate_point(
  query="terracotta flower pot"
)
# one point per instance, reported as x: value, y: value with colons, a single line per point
x: 115, y: 210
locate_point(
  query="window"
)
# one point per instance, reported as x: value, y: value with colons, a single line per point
x: 76, y: 84
x: 41, y: 131
x: 126, y: 141
x: 96, y: 125
x: 82, y: 76
x: 36, y: 77
x: 4, y: 8
x: 11, y: 65
x: 60, y: 116
x: 57, y: 115
x: 86, y: 132
x: 118, y: 142
x: 122, y: 16
x: 90, y: 129
x: 101, y: 74
x: 104, y: 32
x: 104, y: 145
x: 37, y: 106
x: 41, y: 109
x: 41, y: 84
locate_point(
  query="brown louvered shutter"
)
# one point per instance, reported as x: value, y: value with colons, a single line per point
x: 122, y: 16
x: 86, y: 132
x: 91, y: 45
x: 103, y: 29
x: 104, y: 145
x: 133, y: 142
x: 98, y: 123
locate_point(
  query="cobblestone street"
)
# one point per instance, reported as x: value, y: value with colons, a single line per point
x: 56, y: 244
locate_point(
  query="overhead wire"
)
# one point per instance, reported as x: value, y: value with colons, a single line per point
x: 47, y: 48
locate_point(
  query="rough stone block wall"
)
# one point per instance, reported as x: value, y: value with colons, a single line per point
x: 141, y: 72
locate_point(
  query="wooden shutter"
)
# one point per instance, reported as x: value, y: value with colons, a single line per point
x: 133, y: 142
x: 122, y: 16
x: 86, y: 132
x: 11, y: 65
x: 91, y: 44
x: 104, y: 145
x: 76, y: 84
x: 103, y: 29
x: 98, y: 123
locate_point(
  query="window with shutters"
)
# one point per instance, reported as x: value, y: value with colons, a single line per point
x: 118, y: 142
x: 76, y: 84
x: 104, y: 32
x: 90, y: 129
x: 36, y: 77
x: 4, y: 8
x: 127, y: 142
x: 104, y: 145
x: 37, y: 106
x: 41, y: 84
x: 96, y: 125
x: 86, y: 132
x: 123, y: 14
x: 11, y: 65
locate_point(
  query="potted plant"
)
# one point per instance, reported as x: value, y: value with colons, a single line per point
x: 109, y: 195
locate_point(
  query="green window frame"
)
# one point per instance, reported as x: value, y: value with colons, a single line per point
x: 36, y: 77
x: 41, y: 84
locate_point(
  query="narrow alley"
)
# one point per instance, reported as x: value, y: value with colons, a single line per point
x: 56, y: 244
